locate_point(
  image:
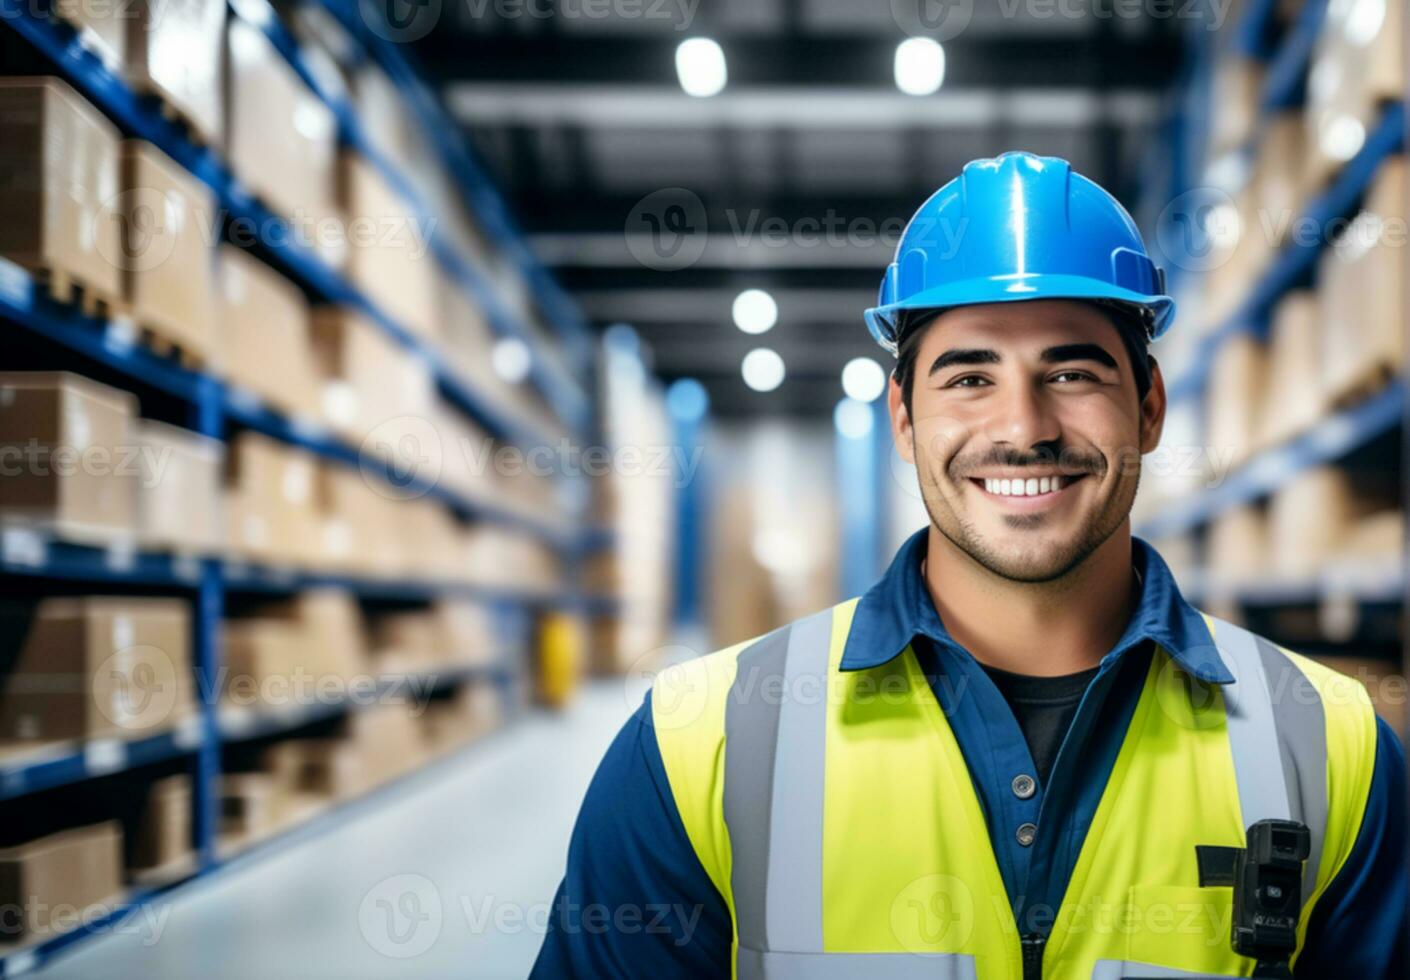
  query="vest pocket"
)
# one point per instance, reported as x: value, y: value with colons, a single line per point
x: 1186, y: 929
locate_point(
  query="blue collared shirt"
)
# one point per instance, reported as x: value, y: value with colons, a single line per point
x: 635, y: 901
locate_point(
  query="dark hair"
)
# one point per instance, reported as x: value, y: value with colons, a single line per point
x: 1129, y: 325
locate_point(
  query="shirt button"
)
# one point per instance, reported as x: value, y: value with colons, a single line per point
x: 1025, y: 833
x: 1024, y: 786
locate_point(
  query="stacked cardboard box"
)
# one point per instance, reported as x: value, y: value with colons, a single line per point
x: 1361, y: 286
x: 250, y: 806
x: 70, y: 445
x: 270, y: 503
x: 469, y: 713
x: 48, y: 886
x: 61, y: 161
x: 95, y: 666
x: 1295, y: 398
x: 1237, y: 549
x: 1357, y: 66
x: 370, y: 383
x: 389, y: 255
x: 286, y: 652
x: 180, y: 489
x: 1235, y: 394
x: 100, y: 30
x: 168, y: 218
x: 280, y: 137
x: 1311, y: 514
x: 264, y: 334
x: 163, y: 835
x: 174, y: 51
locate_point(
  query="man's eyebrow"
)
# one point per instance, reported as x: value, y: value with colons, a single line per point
x: 964, y: 355
x: 1078, y: 352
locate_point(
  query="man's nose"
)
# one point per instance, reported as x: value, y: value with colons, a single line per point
x: 1022, y: 418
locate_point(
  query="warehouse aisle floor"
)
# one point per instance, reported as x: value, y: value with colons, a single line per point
x: 484, y: 834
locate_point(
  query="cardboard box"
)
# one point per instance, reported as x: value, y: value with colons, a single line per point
x: 1357, y: 66
x: 280, y: 137
x: 264, y: 334
x: 270, y: 499
x: 267, y: 662
x: 102, y: 29
x: 1238, y: 83
x: 175, y: 51
x: 370, y: 383
x: 1237, y: 547
x: 388, y: 738
x: 86, y: 667
x: 1361, y: 286
x: 168, y: 217
x: 61, y: 172
x: 1235, y: 394
x: 1294, y: 395
x: 73, y: 457
x: 385, y: 115
x: 332, y: 768
x: 1280, y: 176
x: 47, y: 884
x: 180, y: 489
x: 164, y: 827
x: 333, y: 629
x: 249, y: 805
x: 389, y: 258
x: 1310, y: 516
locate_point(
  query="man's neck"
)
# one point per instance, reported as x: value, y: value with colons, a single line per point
x: 1044, y: 629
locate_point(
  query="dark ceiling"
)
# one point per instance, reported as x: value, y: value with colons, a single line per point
x: 799, y: 174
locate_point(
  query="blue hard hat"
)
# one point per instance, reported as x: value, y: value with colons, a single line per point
x: 1019, y: 227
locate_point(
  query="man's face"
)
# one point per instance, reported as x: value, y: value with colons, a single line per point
x: 1026, y: 432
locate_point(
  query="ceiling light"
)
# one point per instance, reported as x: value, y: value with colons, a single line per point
x: 700, y: 63
x: 755, y: 311
x: 762, y: 369
x: 920, y: 66
x: 863, y: 379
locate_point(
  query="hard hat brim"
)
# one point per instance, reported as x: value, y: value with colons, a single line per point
x: 883, y: 321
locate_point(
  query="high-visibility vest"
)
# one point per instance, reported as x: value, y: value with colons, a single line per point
x: 834, y: 811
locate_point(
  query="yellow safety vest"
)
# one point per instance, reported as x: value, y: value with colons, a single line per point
x: 834, y: 811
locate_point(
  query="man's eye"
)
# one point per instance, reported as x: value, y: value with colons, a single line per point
x: 968, y: 381
x: 1070, y: 376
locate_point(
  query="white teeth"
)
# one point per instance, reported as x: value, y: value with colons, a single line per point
x: 1023, y: 488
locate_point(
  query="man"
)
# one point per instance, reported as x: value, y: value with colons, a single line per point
x: 1021, y: 753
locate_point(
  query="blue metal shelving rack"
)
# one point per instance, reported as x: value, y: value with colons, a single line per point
x: 1287, y: 59
x: 211, y: 409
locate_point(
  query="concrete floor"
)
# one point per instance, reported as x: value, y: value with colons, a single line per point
x: 451, y: 876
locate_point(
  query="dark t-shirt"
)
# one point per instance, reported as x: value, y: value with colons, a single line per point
x: 1044, y: 707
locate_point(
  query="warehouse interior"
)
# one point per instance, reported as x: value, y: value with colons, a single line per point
x: 390, y: 390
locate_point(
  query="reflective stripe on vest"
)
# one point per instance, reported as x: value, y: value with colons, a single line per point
x: 773, y: 795
x: 773, y: 806
x: 1273, y: 712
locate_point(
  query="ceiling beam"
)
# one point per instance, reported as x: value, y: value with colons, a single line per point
x: 784, y: 61
x: 616, y: 106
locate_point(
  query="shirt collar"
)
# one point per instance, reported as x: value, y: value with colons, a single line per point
x: 898, y: 608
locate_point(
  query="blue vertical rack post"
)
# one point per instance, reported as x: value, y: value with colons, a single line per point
x: 862, y: 443
x: 688, y: 404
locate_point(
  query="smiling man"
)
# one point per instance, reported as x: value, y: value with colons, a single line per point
x: 1021, y: 753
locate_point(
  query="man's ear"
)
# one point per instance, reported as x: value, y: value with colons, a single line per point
x: 1153, y: 410
x: 901, y: 433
